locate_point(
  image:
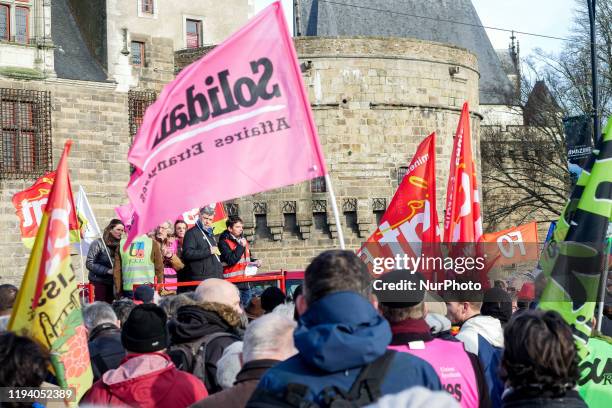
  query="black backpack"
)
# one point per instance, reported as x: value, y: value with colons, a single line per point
x: 364, y: 391
x: 191, y: 357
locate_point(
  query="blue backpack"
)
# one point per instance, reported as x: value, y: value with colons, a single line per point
x: 490, y: 357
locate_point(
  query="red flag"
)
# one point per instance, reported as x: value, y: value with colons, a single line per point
x: 462, y: 220
x: 411, y: 218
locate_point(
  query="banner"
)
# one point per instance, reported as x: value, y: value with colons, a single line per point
x: 574, y: 260
x: 234, y: 123
x: 579, y: 143
x: 90, y: 230
x: 462, y: 220
x: 512, y: 246
x: 411, y: 218
x: 125, y: 214
x: 47, y: 307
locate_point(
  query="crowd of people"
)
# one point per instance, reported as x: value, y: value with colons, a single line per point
x: 335, y: 341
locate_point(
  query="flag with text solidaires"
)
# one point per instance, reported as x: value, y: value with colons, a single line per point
x: 234, y: 123
x: 411, y: 218
x: 462, y: 220
x: 47, y: 307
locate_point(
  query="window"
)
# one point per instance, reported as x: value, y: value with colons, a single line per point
x: 4, y: 22
x: 137, y: 51
x: 401, y: 172
x: 194, y: 33
x: 25, y: 143
x: 146, y: 6
x: 138, y: 102
x: 317, y: 185
x: 22, y: 32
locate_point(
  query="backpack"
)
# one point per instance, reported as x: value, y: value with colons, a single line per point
x: 191, y: 357
x: 366, y: 389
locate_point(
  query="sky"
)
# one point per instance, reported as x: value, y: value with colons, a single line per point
x: 548, y: 17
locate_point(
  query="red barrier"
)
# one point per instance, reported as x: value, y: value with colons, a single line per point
x: 88, y: 288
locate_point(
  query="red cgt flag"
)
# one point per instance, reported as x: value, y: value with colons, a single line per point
x: 462, y: 220
x: 411, y: 218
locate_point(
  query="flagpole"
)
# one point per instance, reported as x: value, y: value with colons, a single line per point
x: 80, y: 198
x: 335, y: 210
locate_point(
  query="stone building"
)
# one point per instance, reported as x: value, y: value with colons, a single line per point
x: 376, y: 92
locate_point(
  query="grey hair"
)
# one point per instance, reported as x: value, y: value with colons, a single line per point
x: 262, y: 336
x: 98, y: 313
x: 207, y: 210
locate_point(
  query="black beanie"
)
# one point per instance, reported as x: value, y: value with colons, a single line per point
x: 271, y: 297
x: 497, y: 303
x: 145, y: 329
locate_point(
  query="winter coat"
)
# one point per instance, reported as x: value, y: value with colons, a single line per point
x: 536, y: 398
x: 146, y: 380
x: 196, y: 321
x: 98, y: 263
x: 484, y: 336
x: 105, y: 349
x: 238, y: 395
x: 156, y: 259
x: 337, y: 336
x: 200, y: 262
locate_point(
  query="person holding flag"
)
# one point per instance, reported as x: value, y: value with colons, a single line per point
x: 47, y: 307
x: 100, y: 259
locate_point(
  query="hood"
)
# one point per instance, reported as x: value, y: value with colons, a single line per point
x: 153, y: 372
x: 195, y: 321
x: 341, y: 331
x: 438, y: 323
x: 488, y: 327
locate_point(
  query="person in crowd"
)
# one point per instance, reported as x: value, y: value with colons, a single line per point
x: 342, y: 340
x: 180, y: 228
x: 172, y: 303
x: 481, y: 335
x: 460, y: 372
x: 169, y: 247
x: 296, y: 294
x: 234, y: 247
x: 436, y: 319
x: 100, y: 258
x: 23, y: 363
x: 497, y: 303
x: 253, y: 308
x: 147, y: 377
x: 540, y: 362
x: 229, y: 365
x: 144, y: 294
x: 272, y: 297
x: 8, y: 294
x: 105, y: 348
x: 207, y: 327
x: 140, y: 263
x: 122, y: 309
x: 267, y: 341
x: 201, y: 255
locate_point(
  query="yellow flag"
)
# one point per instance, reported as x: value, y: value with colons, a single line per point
x: 47, y: 307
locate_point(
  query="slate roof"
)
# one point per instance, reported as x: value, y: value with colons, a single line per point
x: 331, y: 18
x: 72, y: 58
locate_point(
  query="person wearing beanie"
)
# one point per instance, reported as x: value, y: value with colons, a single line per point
x: 271, y: 297
x: 460, y: 372
x: 497, y: 303
x: 147, y: 377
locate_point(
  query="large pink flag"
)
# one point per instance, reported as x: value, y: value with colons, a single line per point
x: 233, y: 123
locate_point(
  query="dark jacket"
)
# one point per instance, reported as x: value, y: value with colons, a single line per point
x: 238, y: 395
x: 417, y: 330
x: 336, y: 338
x: 228, y: 256
x: 537, y: 398
x: 200, y: 262
x: 98, y: 263
x: 105, y: 349
x: 196, y: 321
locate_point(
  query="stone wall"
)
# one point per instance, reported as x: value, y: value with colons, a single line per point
x: 95, y: 118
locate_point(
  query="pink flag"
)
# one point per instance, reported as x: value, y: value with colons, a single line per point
x: 125, y: 213
x: 234, y: 123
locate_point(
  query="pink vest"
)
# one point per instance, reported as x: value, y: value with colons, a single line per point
x: 453, y: 366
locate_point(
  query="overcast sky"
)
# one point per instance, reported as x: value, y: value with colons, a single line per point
x: 549, y: 17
